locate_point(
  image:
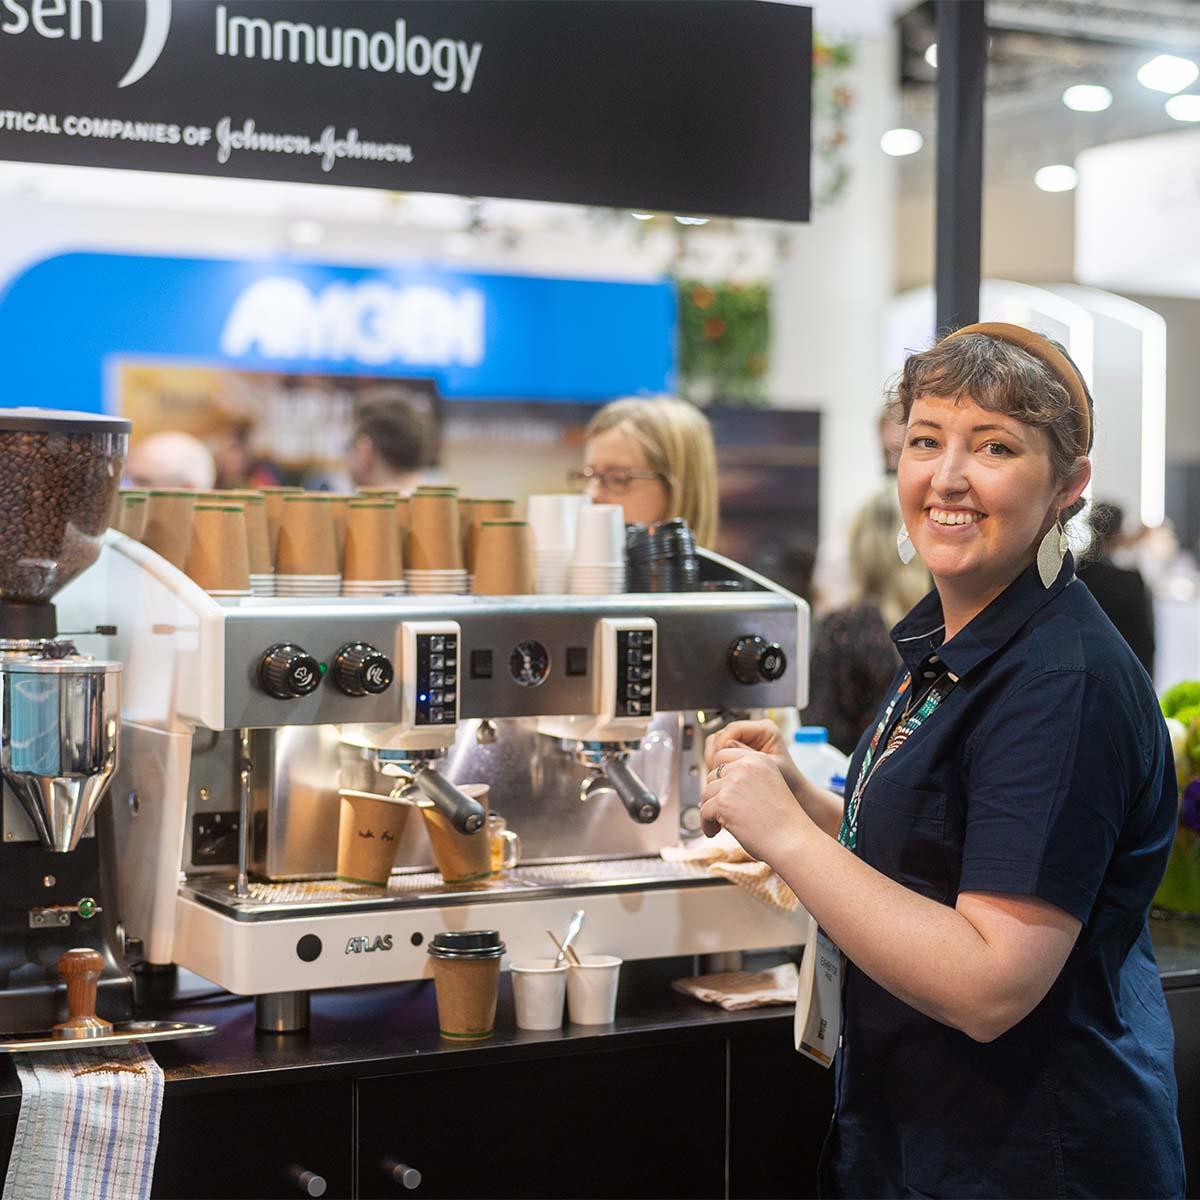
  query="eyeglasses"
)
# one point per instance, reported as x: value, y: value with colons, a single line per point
x: 615, y: 481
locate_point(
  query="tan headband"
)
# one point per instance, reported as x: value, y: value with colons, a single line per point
x: 1064, y: 370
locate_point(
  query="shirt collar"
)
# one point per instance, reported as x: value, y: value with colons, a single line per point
x: 919, y: 636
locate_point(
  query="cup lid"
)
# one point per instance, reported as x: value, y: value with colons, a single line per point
x: 467, y: 943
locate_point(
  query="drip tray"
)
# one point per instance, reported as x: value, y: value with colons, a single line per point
x: 266, y: 901
x: 123, y: 1032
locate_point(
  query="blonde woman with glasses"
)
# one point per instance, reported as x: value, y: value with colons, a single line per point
x: 654, y: 457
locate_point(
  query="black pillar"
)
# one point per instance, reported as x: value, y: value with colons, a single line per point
x: 962, y: 82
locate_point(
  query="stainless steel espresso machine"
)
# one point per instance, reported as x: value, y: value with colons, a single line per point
x: 244, y: 719
x: 59, y: 742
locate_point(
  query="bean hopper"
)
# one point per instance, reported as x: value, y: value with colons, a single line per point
x: 59, y: 738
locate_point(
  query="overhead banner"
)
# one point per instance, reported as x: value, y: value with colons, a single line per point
x: 476, y: 335
x: 687, y: 106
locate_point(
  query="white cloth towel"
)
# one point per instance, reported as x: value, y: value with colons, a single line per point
x: 88, y: 1128
x: 724, y: 856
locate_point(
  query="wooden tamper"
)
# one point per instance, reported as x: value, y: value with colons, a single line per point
x: 80, y: 970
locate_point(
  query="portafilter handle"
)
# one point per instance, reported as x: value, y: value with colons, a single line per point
x: 643, y: 805
x: 465, y: 814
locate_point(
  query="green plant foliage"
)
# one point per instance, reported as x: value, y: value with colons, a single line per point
x: 724, y: 339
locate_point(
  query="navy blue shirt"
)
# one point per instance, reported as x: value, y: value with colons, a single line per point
x: 1045, y: 772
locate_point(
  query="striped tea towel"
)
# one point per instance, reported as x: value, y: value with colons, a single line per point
x: 88, y: 1128
x: 724, y: 856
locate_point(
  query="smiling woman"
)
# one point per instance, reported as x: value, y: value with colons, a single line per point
x: 1008, y: 818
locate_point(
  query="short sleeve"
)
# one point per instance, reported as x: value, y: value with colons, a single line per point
x: 1047, y: 792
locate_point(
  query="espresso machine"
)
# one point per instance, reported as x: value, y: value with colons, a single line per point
x: 59, y: 742
x: 245, y: 719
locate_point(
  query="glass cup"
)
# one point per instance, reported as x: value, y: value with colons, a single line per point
x: 505, y: 844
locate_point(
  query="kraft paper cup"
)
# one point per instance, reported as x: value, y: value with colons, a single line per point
x: 372, y: 550
x: 600, y: 535
x: 504, y: 563
x: 273, y: 502
x: 460, y: 857
x: 218, y: 557
x: 484, y: 510
x: 592, y: 989
x: 307, y: 545
x: 339, y: 504
x: 539, y: 992
x: 131, y: 514
x: 258, y: 538
x: 466, y: 974
x: 168, y: 529
x: 369, y: 832
x: 434, y: 539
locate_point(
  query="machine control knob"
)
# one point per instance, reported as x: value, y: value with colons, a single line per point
x: 287, y: 672
x: 361, y: 670
x: 753, y: 659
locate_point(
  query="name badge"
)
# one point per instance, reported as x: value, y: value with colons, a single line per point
x: 819, y: 997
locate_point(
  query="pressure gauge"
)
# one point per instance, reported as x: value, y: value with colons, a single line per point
x: 529, y: 663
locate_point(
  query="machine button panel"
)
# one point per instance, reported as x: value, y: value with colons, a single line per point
x: 635, y: 672
x: 437, y: 679
x: 287, y: 672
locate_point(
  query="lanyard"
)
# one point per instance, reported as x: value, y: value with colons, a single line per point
x: 905, y: 728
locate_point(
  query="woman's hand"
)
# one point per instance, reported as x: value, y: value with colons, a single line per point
x: 747, y: 794
x: 762, y: 737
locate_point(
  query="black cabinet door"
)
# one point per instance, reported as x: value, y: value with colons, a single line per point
x: 8, y: 1130
x: 780, y: 1104
x: 638, y: 1122
x: 255, y: 1142
x: 1184, y: 1006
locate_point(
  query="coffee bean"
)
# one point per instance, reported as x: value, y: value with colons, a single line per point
x: 56, y: 493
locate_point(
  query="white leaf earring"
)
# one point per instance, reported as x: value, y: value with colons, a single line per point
x: 904, y: 546
x: 1051, y: 553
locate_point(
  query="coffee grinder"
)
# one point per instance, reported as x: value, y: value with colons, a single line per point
x: 59, y: 728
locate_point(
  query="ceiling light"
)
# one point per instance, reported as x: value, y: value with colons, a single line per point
x: 1056, y: 178
x: 1168, y: 73
x: 1087, y: 97
x: 306, y: 233
x: 899, y: 142
x: 642, y: 216
x: 692, y: 220
x: 931, y: 55
x: 1184, y: 108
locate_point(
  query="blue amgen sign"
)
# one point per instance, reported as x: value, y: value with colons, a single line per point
x: 478, y: 336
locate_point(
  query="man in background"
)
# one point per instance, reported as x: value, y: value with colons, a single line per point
x: 389, y: 445
x: 1121, y: 592
x: 170, y: 459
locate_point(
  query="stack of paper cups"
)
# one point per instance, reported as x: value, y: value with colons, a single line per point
x: 598, y: 566
x: 131, y: 514
x: 306, y: 563
x: 553, y: 519
x: 371, y: 564
x: 258, y: 538
x: 434, y: 561
x: 168, y: 526
x: 218, y: 557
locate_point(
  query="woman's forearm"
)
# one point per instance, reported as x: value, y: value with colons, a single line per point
x: 923, y: 952
x: 824, y: 807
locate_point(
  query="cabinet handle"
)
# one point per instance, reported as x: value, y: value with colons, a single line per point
x: 401, y: 1173
x: 311, y: 1184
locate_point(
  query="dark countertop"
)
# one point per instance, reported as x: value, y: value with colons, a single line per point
x: 392, y: 1028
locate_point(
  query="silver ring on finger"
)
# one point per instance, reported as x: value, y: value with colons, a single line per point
x: 720, y: 768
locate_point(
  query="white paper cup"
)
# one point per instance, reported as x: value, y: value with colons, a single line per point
x: 553, y: 519
x: 600, y: 534
x: 539, y: 990
x: 592, y: 989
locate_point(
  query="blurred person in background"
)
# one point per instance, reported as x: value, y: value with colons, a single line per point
x: 170, y: 459
x: 853, y: 659
x: 1120, y: 591
x: 389, y: 445
x: 237, y: 464
x: 654, y: 457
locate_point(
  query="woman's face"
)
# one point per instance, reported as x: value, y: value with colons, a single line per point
x: 615, y: 456
x: 977, y: 492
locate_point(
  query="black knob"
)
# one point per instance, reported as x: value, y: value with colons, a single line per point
x: 361, y: 670
x: 287, y: 672
x: 753, y: 659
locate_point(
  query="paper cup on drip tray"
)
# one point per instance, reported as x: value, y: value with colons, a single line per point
x: 369, y: 832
